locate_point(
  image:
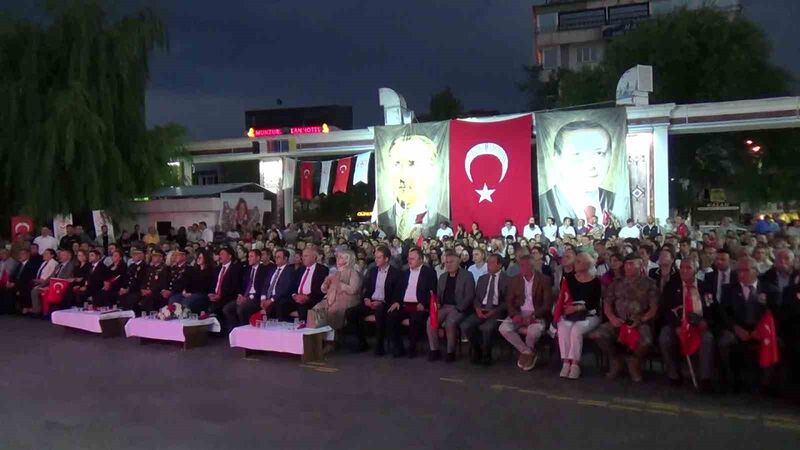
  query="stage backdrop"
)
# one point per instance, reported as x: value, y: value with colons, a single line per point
x: 411, y: 168
x: 582, y: 165
x: 490, y: 173
x: 242, y: 208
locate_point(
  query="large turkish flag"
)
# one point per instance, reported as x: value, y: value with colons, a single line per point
x: 21, y: 224
x: 490, y: 173
x: 307, y: 180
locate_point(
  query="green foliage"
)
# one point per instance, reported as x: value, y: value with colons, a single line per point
x: 72, y: 111
x: 540, y: 95
x: 444, y: 106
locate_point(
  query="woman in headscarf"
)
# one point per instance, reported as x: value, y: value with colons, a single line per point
x: 342, y: 291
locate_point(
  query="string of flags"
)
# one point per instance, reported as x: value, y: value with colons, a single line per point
x: 341, y: 173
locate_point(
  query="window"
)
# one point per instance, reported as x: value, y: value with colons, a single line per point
x: 547, y: 22
x: 587, y: 54
x: 206, y: 177
x: 550, y: 57
x: 576, y: 20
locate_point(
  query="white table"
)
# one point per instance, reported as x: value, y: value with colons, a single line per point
x: 109, y: 323
x: 282, y: 338
x: 192, y: 333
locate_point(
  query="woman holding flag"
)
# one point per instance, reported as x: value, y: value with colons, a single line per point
x: 576, y: 312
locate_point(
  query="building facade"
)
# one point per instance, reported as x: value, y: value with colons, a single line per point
x: 575, y: 33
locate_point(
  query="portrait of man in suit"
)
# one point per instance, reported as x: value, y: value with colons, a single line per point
x: 586, y: 167
x: 413, y: 195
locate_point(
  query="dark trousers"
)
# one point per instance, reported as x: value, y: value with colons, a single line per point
x: 130, y: 302
x: 733, y: 355
x: 357, y: 314
x: 238, y: 314
x: 417, y: 321
x: 153, y: 302
x: 285, y: 308
x: 103, y: 298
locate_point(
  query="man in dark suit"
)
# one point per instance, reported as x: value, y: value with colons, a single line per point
x: 65, y: 269
x: 413, y: 295
x: 788, y: 324
x: 742, y: 306
x: 276, y: 298
x: 455, y: 290
x: 17, y: 293
x: 378, y: 293
x: 249, y: 299
x: 671, y: 313
x: 150, y: 298
x: 179, y: 277
x: 489, y: 304
x: 94, y: 282
x: 227, y: 283
x: 308, y: 286
x: 780, y: 276
x: 135, y: 277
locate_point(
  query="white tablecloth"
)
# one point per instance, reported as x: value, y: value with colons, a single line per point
x: 166, y: 330
x: 85, y: 320
x: 275, y: 338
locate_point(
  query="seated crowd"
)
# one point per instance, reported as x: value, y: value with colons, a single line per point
x: 633, y: 291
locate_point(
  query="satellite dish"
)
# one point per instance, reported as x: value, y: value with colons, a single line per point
x: 635, y: 85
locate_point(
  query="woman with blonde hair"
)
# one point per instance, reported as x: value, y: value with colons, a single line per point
x: 342, y: 291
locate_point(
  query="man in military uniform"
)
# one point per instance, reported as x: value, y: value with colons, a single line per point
x: 630, y: 302
x: 178, y: 278
x: 158, y: 279
x: 135, y: 278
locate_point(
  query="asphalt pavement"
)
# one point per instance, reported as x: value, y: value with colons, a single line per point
x: 65, y: 389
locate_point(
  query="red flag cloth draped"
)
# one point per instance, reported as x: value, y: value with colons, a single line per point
x: 689, y: 335
x: 256, y: 316
x: 767, y: 340
x: 54, y: 293
x: 564, y: 299
x: 434, y: 317
x: 21, y: 224
x: 307, y: 180
x: 342, y: 174
x: 629, y: 337
x: 490, y: 172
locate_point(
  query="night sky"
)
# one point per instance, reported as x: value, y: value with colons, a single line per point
x: 229, y: 56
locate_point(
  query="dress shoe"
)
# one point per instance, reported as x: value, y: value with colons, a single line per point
x: 450, y: 357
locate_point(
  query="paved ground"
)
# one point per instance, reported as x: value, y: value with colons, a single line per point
x: 70, y: 390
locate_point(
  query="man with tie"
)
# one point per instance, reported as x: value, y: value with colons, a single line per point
x: 780, y: 276
x: 742, y: 306
x: 17, y: 292
x: 489, y: 304
x: 227, y: 283
x: 413, y: 303
x: 248, y: 301
x: 64, y: 269
x: 455, y: 291
x: 685, y: 299
x: 278, y: 289
x: 308, y: 287
x: 135, y: 277
x: 94, y: 282
x: 378, y: 294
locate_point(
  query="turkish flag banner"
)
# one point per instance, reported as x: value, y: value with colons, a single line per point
x: 21, y: 224
x: 342, y: 174
x: 307, y: 180
x: 490, y: 172
x: 767, y: 337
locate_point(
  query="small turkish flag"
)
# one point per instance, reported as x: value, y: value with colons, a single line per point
x: 342, y: 174
x: 767, y: 340
x: 564, y: 299
x: 21, y: 224
x: 307, y: 180
x: 434, y: 312
x: 629, y: 337
x: 54, y: 293
x: 490, y: 172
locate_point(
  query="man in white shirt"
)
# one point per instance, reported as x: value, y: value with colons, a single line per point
x: 550, y: 229
x: 479, y: 268
x: 531, y: 230
x: 414, y: 292
x: 509, y: 229
x: 630, y: 231
x: 206, y: 233
x: 489, y: 305
x: 443, y: 231
x: 46, y: 240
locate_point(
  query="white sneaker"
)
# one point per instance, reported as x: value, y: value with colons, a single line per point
x: 574, y: 372
x: 565, y: 369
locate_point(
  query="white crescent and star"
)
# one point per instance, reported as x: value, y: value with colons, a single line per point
x: 490, y: 149
x: 306, y: 173
x: 26, y: 228
x: 342, y: 169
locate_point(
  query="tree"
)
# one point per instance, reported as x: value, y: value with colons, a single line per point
x: 444, y: 106
x: 540, y: 95
x: 72, y: 111
x: 698, y: 56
